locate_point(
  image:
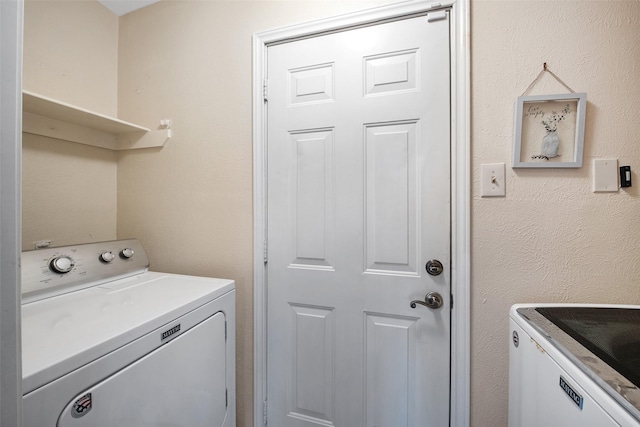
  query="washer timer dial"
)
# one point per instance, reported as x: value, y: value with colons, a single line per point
x: 61, y: 264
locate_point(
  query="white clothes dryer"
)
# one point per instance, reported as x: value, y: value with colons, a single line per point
x: 106, y: 342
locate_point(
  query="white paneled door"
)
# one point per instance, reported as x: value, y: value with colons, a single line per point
x: 358, y: 189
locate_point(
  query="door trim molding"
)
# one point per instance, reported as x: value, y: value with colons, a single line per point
x: 11, y: 25
x: 460, y: 188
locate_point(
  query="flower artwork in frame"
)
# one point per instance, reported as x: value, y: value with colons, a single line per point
x: 549, y: 131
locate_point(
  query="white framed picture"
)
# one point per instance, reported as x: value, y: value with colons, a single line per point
x: 549, y: 131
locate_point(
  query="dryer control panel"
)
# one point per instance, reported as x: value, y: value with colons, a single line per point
x: 53, y: 271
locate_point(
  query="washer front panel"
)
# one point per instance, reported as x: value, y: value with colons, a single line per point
x: 181, y: 383
x: 44, y: 405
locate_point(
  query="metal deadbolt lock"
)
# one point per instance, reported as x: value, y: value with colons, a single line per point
x: 434, y: 267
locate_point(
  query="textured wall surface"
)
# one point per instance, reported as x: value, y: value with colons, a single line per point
x: 68, y: 192
x: 68, y: 189
x: 71, y: 53
x: 551, y: 239
x: 191, y: 202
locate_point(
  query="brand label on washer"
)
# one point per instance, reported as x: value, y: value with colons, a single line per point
x: 82, y: 406
x: 577, y: 398
x: 170, y: 332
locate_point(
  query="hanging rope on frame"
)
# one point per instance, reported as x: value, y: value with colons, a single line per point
x: 546, y: 69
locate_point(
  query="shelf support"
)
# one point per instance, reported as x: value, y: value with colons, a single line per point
x: 135, y: 140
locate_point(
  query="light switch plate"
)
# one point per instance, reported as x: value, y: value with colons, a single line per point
x: 605, y: 175
x: 492, y: 182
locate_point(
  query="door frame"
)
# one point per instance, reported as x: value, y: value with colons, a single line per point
x: 11, y: 23
x: 460, y: 188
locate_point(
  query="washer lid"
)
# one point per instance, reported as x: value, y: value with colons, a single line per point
x: 63, y: 333
x: 612, y: 334
x: 591, y: 337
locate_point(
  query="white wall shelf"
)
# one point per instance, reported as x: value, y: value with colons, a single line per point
x: 55, y: 119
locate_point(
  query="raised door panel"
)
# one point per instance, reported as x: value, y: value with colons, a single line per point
x: 311, y: 195
x: 390, y: 361
x: 391, y: 72
x: 311, y: 368
x: 391, y: 190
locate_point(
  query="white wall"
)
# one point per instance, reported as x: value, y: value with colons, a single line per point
x: 71, y: 53
x: 551, y: 239
x: 68, y: 189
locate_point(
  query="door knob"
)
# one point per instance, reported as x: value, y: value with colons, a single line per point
x: 432, y: 300
x: 434, y: 267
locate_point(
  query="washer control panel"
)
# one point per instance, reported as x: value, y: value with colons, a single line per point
x: 53, y: 271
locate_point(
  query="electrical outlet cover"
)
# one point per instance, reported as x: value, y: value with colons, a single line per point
x: 605, y: 175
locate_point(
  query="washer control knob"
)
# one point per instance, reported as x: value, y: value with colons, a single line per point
x: 126, y: 253
x: 61, y: 264
x: 107, y: 256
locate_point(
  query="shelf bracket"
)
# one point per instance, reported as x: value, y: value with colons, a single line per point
x: 135, y: 140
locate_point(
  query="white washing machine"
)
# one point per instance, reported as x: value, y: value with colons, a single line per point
x: 105, y: 342
x: 574, y: 365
